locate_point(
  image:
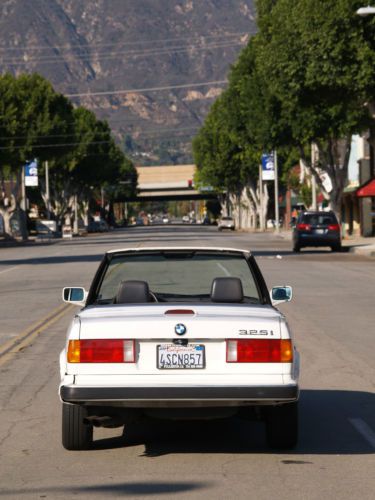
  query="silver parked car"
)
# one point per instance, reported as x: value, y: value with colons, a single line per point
x: 226, y: 222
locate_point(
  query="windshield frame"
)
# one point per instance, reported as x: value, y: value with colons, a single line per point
x: 253, y: 268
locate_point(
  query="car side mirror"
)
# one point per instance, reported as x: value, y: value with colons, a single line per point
x: 74, y: 295
x: 280, y: 294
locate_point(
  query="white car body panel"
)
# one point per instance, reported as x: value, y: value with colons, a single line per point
x: 211, y: 326
x: 214, y: 309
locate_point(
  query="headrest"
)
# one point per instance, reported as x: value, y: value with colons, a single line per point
x: 227, y: 290
x: 132, y: 292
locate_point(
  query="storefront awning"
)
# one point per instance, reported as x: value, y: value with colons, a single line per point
x: 367, y: 189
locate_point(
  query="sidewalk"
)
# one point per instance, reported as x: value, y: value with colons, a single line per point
x: 360, y: 245
x: 31, y: 241
x: 353, y: 244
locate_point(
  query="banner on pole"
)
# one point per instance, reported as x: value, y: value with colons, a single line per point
x: 31, y: 173
x: 268, y: 167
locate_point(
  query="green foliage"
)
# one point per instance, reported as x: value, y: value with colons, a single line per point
x: 305, y: 77
x: 312, y: 55
x: 306, y: 194
x: 35, y: 121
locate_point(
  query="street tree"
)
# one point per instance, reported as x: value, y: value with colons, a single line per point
x: 35, y: 122
x: 95, y: 163
x: 314, y: 59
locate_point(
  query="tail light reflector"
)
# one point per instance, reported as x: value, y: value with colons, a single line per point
x: 334, y: 227
x: 304, y: 227
x: 259, y: 351
x: 101, y: 351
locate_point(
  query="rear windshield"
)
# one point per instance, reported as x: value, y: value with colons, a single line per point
x: 319, y: 219
x: 174, y: 277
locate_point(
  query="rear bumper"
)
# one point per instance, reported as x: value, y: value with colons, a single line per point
x: 147, y: 396
x: 314, y: 240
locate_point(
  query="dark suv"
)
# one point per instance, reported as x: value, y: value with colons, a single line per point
x: 317, y: 229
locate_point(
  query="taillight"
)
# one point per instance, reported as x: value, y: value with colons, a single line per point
x: 334, y: 227
x: 304, y: 227
x: 101, y: 351
x: 259, y: 351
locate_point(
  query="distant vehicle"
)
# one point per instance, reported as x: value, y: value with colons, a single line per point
x: 98, y: 226
x: 317, y: 229
x: 226, y: 222
x: 176, y: 333
x: 166, y: 219
x: 185, y: 219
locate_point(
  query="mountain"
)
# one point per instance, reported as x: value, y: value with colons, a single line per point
x: 158, y: 52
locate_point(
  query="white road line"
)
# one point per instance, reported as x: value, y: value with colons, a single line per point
x: 219, y: 264
x: 364, y: 429
x: 10, y: 269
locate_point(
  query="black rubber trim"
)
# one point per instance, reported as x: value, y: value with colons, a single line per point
x: 275, y: 393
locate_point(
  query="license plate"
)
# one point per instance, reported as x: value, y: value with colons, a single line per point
x: 320, y: 231
x: 171, y: 356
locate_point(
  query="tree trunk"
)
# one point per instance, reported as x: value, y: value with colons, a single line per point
x: 333, y: 165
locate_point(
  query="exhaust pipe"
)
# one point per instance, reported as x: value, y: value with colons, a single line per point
x: 104, y: 421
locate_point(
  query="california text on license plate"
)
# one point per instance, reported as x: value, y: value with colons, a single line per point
x: 171, y: 356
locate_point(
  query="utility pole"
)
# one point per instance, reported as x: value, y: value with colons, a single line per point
x: 47, y: 191
x: 261, y: 218
x: 75, y: 224
x: 23, y: 190
x: 277, y: 216
x: 313, y: 180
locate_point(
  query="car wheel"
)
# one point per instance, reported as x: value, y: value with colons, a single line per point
x: 76, y: 434
x: 282, y: 425
x: 336, y: 248
x: 296, y: 248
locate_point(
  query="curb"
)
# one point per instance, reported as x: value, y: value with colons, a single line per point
x: 366, y: 250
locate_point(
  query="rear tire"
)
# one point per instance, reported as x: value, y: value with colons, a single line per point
x: 336, y: 248
x: 282, y: 426
x: 76, y: 434
x: 296, y: 248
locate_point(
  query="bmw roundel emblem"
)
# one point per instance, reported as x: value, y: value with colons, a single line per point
x: 180, y: 329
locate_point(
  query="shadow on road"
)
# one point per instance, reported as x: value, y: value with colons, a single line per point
x: 55, y: 259
x: 130, y: 489
x: 325, y: 429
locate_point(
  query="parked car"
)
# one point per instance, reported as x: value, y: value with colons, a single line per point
x: 185, y: 219
x: 177, y: 333
x: 226, y: 222
x: 317, y: 229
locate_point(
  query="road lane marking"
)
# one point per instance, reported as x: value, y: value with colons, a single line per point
x: 24, y: 339
x: 10, y: 269
x: 224, y: 269
x: 364, y: 429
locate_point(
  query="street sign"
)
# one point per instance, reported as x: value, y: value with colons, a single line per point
x: 268, y: 167
x: 31, y: 173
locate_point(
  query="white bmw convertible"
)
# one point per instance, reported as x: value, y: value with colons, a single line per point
x: 178, y: 333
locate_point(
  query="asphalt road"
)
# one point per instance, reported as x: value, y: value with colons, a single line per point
x: 332, y: 315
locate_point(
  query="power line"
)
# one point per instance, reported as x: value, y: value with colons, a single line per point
x: 54, y: 145
x: 138, y: 42
x: 147, y: 131
x: 114, y: 55
x: 149, y: 89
